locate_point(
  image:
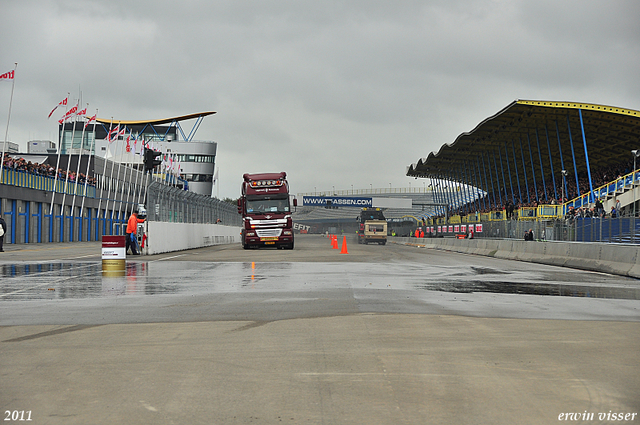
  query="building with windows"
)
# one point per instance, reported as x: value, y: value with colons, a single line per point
x: 196, y: 157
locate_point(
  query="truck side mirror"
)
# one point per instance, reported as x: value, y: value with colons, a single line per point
x: 239, y: 205
x: 295, y: 202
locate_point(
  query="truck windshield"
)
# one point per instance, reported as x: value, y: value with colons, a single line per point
x: 371, y: 215
x: 263, y: 206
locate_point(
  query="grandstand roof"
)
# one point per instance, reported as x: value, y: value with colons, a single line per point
x: 158, y: 121
x: 532, y: 133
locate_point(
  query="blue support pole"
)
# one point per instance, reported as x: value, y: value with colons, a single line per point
x: 467, y: 186
x: 553, y: 177
x: 495, y: 164
x: 506, y: 157
x: 544, y: 184
x: 479, y: 183
x: 464, y: 192
x: 458, y: 177
x: 564, y: 181
x: 533, y: 170
x: 586, y: 155
x: 493, y: 191
x: 573, y: 154
x: 434, y: 196
x: 475, y: 183
x: 515, y: 164
x: 470, y: 183
x: 26, y: 222
x: 524, y: 168
x: 447, y: 194
x: 14, y: 219
x: 504, y: 180
x: 456, y: 192
x: 38, y: 216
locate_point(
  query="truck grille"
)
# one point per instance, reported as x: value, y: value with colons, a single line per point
x: 268, y: 233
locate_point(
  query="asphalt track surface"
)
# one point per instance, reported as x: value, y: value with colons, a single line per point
x: 384, y: 334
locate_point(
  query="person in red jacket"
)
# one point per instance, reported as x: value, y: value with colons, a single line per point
x: 132, y: 230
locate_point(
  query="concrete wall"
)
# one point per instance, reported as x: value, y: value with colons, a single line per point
x: 169, y: 237
x: 617, y: 259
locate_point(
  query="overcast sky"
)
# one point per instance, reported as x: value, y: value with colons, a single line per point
x: 335, y: 93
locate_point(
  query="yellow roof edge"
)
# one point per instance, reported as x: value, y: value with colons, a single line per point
x: 581, y: 105
x: 158, y: 121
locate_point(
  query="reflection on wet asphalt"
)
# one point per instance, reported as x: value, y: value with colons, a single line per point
x: 72, y: 280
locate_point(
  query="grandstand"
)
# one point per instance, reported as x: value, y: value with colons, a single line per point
x: 556, y: 165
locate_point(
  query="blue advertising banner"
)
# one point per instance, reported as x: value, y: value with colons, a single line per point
x: 336, y: 201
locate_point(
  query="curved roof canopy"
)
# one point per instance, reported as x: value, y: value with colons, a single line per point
x: 533, y: 136
x: 159, y: 121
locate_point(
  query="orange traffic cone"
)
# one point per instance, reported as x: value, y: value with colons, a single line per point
x: 344, y: 245
x: 334, y: 243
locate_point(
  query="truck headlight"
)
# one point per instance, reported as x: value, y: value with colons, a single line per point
x: 286, y: 232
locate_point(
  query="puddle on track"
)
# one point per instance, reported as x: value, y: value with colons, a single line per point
x: 84, y: 279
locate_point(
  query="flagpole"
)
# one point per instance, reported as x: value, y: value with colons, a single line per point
x: 126, y: 209
x: 138, y: 175
x: 104, y: 171
x: 118, y: 174
x: 75, y: 190
x: 86, y: 175
x: 113, y: 165
x: 55, y: 180
x: 6, y: 133
x: 66, y: 179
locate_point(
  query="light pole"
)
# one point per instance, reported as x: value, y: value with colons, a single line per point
x: 564, y: 183
x: 635, y: 154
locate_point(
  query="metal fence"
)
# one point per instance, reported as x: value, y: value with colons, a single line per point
x: 610, y: 230
x: 170, y: 204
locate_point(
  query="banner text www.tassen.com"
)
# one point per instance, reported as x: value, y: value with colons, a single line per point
x: 336, y: 201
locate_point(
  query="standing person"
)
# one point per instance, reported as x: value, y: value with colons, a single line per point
x: 132, y: 230
x: 3, y: 230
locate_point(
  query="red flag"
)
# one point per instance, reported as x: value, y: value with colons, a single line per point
x: 8, y: 75
x: 128, y: 148
x: 63, y: 103
x: 69, y: 114
x: 93, y: 118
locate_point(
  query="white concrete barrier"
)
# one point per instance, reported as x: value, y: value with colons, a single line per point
x: 169, y: 237
x: 617, y: 259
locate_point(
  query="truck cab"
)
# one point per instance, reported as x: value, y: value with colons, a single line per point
x: 372, y: 226
x: 266, y: 211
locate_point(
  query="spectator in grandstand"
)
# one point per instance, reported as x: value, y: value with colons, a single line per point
x: 614, y: 212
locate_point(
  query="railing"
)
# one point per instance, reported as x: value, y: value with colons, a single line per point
x: 46, y: 183
x: 608, y: 190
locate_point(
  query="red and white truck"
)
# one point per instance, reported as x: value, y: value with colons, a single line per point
x: 266, y: 211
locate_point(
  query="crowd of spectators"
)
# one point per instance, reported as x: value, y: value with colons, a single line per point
x: 20, y: 164
x: 493, y: 202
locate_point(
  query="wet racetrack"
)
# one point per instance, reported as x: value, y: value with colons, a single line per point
x: 311, y: 281
x: 384, y: 334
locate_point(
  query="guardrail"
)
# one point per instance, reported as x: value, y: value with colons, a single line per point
x: 34, y: 181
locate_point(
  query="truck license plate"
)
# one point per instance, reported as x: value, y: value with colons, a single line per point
x: 269, y: 243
